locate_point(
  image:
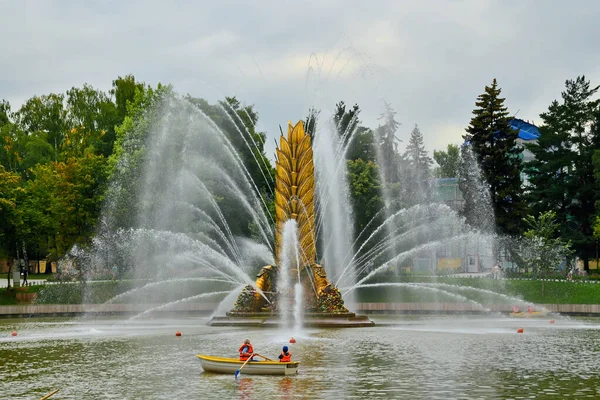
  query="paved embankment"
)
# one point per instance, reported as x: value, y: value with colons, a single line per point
x: 360, y: 308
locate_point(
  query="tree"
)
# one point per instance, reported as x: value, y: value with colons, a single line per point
x: 92, y: 117
x: 417, y: 182
x: 448, y: 162
x: 562, y: 173
x: 346, y: 120
x: 365, y: 190
x: 11, y: 221
x: 4, y: 113
x: 387, y: 142
x: 45, y: 114
x: 362, y: 146
x: 310, y: 124
x: 541, y: 250
x: 126, y: 162
x: 238, y: 122
x: 478, y: 208
x: 125, y: 89
x: 12, y: 140
x: 494, y: 144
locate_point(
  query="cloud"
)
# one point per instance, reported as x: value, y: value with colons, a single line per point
x: 430, y: 60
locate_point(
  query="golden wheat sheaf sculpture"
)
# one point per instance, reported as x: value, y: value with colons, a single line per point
x: 295, y: 190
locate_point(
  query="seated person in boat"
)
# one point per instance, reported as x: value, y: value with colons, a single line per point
x: 246, y: 351
x: 285, y: 355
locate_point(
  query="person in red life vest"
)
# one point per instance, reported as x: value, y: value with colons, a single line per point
x: 530, y: 309
x: 285, y: 356
x: 246, y: 351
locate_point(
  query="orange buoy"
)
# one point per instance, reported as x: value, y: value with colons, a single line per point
x: 552, y: 321
x: 177, y: 333
x: 292, y: 340
x: 14, y: 333
x: 520, y: 330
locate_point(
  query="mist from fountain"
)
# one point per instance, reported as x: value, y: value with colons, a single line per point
x: 197, y: 200
x: 335, y: 222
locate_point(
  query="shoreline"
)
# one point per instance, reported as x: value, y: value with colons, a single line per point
x: 75, y: 310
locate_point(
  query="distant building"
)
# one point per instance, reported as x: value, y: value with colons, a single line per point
x: 475, y: 257
x: 528, y: 133
x: 447, y: 189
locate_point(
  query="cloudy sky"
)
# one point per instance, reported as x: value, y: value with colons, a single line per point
x: 428, y: 59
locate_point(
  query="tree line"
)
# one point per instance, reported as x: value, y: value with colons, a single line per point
x: 60, y: 151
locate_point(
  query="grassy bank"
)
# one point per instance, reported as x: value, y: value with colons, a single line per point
x: 429, y: 290
x: 41, y: 277
x: 119, y: 292
x: 531, y: 291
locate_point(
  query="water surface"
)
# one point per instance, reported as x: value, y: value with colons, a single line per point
x: 413, y: 357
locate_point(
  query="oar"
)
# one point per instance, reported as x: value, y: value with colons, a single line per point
x: 243, y: 365
x: 268, y: 359
x: 50, y: 394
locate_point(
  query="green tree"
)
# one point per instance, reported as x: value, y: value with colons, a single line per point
x: 238, y: 122
x: 478, y: 208
x: 385, y: 134
x: 12, y: 140
x: 4, y: 113
x: 562, y: 173
x: 11, y: 222
x: 126, y: 162
x: 365, y: 191
x: 494, y: 144
x: 346, y: 120
x: 125, y: 90
x: 448, y: 162
x: 92, y: 117
x: 310, y: 124
x: 45, y: 114
x: 417, y: 177
x: 362, y: 146
x: 542, y: 250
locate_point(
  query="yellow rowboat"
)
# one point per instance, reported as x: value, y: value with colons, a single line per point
x: 529, y: 314
x: 223, y: 365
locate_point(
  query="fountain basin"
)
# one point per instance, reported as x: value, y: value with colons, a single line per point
x: 268, y: 319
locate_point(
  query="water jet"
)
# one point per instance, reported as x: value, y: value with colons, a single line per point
x: 317, y: 299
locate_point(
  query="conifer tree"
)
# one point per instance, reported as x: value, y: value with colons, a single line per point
x: 418, y: 169
x: 388, y: 145
x: 494, y: 144
x: 562, y: 173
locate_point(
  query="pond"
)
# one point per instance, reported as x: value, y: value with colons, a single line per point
x: 428, y: 357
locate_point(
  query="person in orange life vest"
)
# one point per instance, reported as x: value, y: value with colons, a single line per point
x: 246, y: 351
x: 285, y: 356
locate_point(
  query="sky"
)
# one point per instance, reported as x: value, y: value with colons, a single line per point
x: 428, y: 59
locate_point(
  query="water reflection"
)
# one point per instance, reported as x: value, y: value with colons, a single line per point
x: 407, y: 357
x: 245, y: 388
x: 286, y: 389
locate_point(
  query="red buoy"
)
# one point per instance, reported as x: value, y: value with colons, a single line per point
x: 552, y: 321
x: 14, y: 333
x: 177, y: 333
x: 292, y: 340
x: 520, y: 330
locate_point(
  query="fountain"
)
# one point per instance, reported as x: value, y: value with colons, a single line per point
x: 269, y: 300
x: 185, y: 219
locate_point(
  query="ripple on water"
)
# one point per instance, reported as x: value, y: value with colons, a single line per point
x: 412, y: 357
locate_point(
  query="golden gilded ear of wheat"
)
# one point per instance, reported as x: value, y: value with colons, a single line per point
x: 295, y: 190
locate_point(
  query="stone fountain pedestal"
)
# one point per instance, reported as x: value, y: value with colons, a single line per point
x: 267, y: 319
